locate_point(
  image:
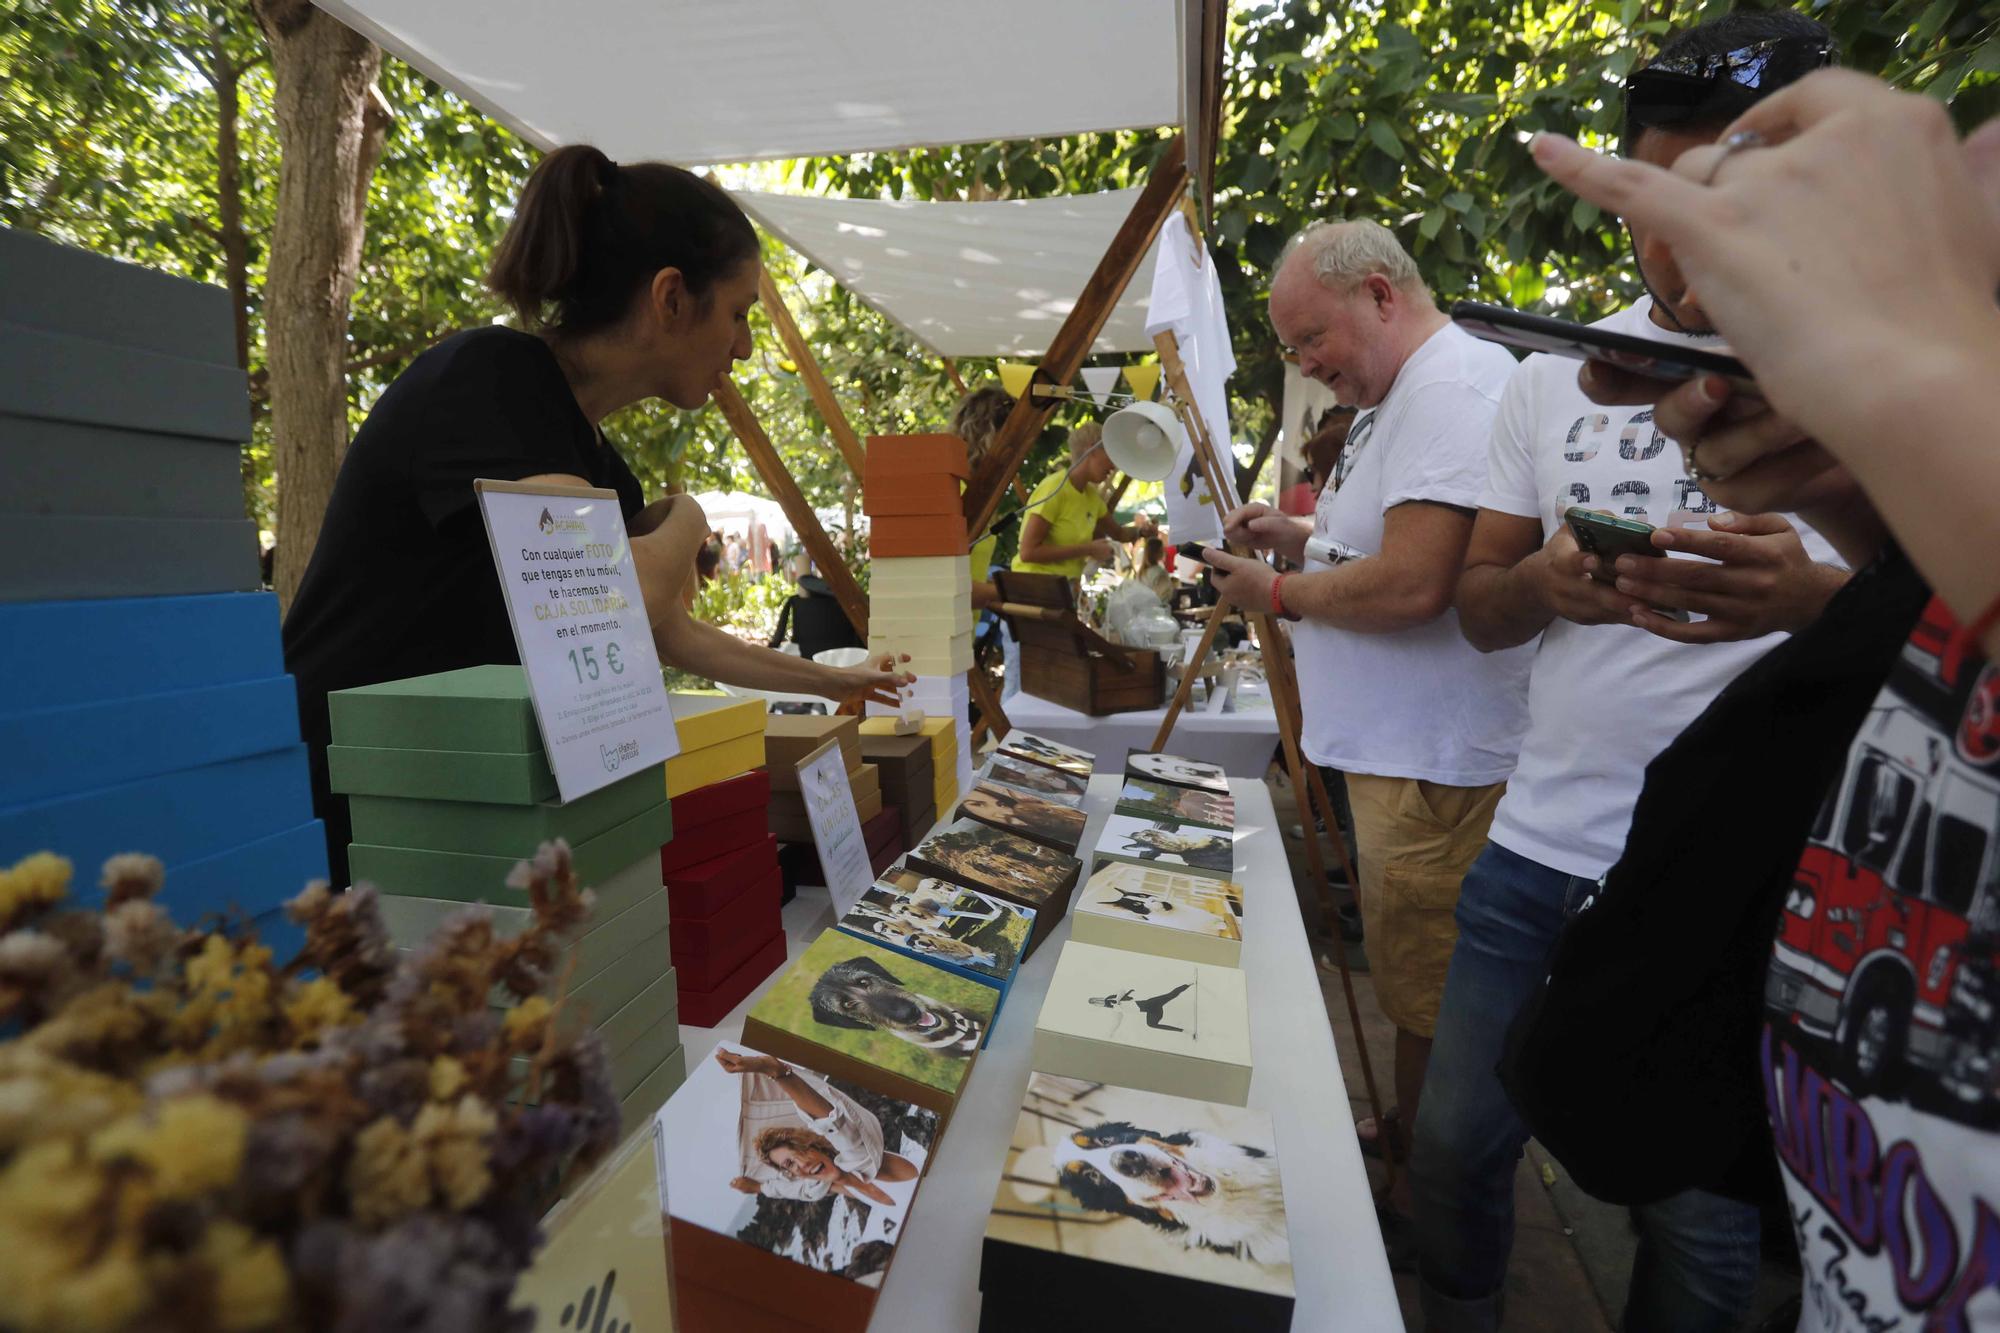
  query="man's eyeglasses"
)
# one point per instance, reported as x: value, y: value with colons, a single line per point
x: 1679, y: 88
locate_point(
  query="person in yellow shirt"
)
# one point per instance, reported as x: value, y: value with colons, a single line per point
x: 1068, y: 522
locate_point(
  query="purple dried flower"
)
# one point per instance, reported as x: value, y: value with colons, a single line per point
x: 580, y: 1075
x: 398, y: 1088
x: 537, y: 1138
x: 429, y: 1273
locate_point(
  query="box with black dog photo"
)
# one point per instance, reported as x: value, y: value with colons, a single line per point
x: 1150, y: 910
x: 1128, y: 1209
x: 1050, y: 824
x: 1167, y: 843
x: 883, y: 1019
x: 1051, y: 784
x: 788, y: 1189
x: 1176, y: 771
x: 1050, y: 754
x: 1146, y: 799
x: 1017, y: 869
x: 1142, y: 1021
x: 969, y: 934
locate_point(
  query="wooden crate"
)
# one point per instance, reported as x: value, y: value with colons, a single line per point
x: 1065, y: 661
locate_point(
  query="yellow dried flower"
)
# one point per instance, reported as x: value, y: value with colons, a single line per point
x: 67, y: 1298
x: 230, y: 997
x: 34, y: 881
x: 526, y: 1023
x: 252, y: 1288
x: 42, y: 1098
x: 191, y: 1145
x: 317, y: 1005
x: 48, y: 1188
x: 456, y: 1141
x: 448, y: 1078
x: 386, y: 1177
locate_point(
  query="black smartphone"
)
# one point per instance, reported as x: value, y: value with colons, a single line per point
x: 1191, y: 551
x: 1607, y: 537
x: 1580, y: 342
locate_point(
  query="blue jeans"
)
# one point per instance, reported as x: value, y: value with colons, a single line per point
x: 1698, y: 1252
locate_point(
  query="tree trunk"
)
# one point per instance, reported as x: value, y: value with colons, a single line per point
x: 228, y: 79
x: 331, y: 125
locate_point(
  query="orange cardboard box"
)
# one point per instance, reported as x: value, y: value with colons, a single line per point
x: 913, y: 534
x: 912, y: 493
x: 906, y: 454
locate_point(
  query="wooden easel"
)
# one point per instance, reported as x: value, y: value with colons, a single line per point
x: 1307, y: 786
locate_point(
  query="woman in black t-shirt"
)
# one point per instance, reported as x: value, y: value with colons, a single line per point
x: 630, y: 283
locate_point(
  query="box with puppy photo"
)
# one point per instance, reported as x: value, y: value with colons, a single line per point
x: 972, y: 935
x: 1005, y: 865
x: 1129, y: 1209
x: 1149, y: 910
x: 1176, y: 771
x: 1166, y: 843
x: 1143, y: 1021
x: 787, y: 1189
x: 883, y: 1019
x: 1050, y: 824
x: 1051, y: 784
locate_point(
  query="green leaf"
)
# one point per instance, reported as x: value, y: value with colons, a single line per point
x: 1458, y: 201
x: 1526, y: 285
x: 1987, y: 59
x: 1384, y: 138
x: 1584, y: 214
x: 1343, y: 126
x: 1297, y: 138
x: 1931, y: 23
x: 1433, y: 222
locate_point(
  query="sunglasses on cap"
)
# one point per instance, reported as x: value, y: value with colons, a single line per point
x: 1680, y: 88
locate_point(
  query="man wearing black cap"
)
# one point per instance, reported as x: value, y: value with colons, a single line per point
x: 1621, y: 667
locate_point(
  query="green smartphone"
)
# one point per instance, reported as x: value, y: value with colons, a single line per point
x: 1607, y: 537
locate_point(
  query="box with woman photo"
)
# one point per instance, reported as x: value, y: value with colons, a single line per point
x: 787, y: 1189
x: 1126, y: 1209
x: 1142, y: 1021
x: 1167, y: 843
x: 969, y: 934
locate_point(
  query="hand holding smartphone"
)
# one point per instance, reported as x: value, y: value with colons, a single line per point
x: 1607, y: 537
x: 1651, y: 357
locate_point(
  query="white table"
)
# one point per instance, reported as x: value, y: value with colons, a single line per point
x: 1241, y: 742
x: 1338, y: 1264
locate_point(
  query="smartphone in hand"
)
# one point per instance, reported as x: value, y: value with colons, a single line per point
x: 1607, y: 537
x: 1653, y: 357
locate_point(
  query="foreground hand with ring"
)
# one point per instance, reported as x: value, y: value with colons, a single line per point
x: 1730, y: 147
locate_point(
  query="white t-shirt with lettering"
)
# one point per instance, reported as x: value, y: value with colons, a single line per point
x: 1419, y: 703
x: 1603, y: 700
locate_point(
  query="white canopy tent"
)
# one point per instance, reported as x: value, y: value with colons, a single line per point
x: 719, y: 81
x: 986, y: 279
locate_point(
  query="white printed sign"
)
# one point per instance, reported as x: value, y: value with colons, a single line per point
x: 836, y: 826
x: 581, y: 627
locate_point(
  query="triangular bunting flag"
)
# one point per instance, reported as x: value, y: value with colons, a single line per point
x: 1016, y: 376
x: 1143, y: 379
x: 1100, y: 381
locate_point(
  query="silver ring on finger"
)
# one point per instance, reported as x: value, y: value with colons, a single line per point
x: 1731, y: 146
x: 1692, y: 467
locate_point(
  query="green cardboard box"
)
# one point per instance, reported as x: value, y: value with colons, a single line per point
x: 483, y: 709
x: 520, y: 778
x: 471, y: 877
x: 412, y: 917
x: 598, y: 949
x: 645, y: 1100
x: 501, y: 830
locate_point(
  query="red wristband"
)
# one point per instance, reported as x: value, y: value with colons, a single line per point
x: 1278, y: 596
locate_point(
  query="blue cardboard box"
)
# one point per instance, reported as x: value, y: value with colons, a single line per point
x: 55, y: 654
x: 249, y: 880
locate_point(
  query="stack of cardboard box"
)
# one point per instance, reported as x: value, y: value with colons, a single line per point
x: 721, y: 869
x: 946, y: 749
x: 147, y: 707
x: 904, y: 763
x: 920, y: 586
x: 448, y: 787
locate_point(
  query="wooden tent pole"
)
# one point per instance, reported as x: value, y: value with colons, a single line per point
x: 1307, y: 788
x: 951, y: 369
x: 990, y: 716
x: 764, y: 457
x: 1185, y: 690
x: 1073, y: 340
x: 817, y: 388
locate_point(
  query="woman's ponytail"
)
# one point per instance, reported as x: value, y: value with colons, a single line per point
x: 588, y: 234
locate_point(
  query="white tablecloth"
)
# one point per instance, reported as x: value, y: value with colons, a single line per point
x: 1242, y: 742
x: 1338, y: 1264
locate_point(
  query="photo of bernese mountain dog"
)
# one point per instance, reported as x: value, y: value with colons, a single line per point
x: 1197, y: 1186
x: 861, y: 993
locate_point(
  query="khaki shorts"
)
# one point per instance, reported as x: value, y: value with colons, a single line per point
x: 1416, y: 840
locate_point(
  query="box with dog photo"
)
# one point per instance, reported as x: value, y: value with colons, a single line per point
x: 1142, y: 1021
x: 1146, y: 799
x: 883, y: 1019
x: 1149, y: 910
x: 1128, y: 1209
x: 787, y: 1189
x: 1004, y: 808
x: 972, y: 935
x: 1051, y: 784
x: 1017, y: 869
x: 1168, y: 844
x: 1176, y: 771
x: 1041, y: 750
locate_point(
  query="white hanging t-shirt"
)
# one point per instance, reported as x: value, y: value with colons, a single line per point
x: 1187, y: 298
x: 1418, y: 703
x: 1603, y: 700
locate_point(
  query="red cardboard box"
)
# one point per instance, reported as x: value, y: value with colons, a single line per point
x: 718, y: 800
x: 883, y: 829
x: 731, y: 833
x: 706, y: 1008
x: 880, y: 861
x: 917, y: 534
x: 700, y: 891
x: 917, y: 493
x: 707, y: 949
x: 904, y: 455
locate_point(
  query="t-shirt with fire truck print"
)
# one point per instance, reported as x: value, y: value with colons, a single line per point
x: 1879, y: 1047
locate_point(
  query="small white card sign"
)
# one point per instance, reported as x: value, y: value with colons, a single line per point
x: 581, y: 627
x: 836, y: 826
